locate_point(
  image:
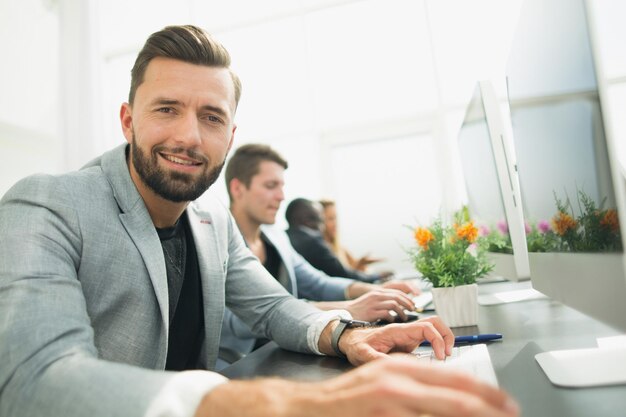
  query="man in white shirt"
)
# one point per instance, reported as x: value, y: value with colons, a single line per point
x: 255, y: 181
x: 102, y: 269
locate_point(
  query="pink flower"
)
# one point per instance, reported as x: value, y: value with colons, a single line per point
x: 527, y: 228
x: 484, y: 230
x: 543, y: 226
x: 503, y: 227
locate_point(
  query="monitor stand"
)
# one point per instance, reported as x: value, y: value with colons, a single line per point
x: 584, y: 367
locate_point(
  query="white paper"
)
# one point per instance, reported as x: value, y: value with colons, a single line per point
x: 612, y: 342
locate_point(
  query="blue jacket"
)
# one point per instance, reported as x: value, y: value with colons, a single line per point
x: 311, y: 245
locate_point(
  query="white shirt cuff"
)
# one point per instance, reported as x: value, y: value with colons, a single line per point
x: 315, y: 330
x: 181, y: 395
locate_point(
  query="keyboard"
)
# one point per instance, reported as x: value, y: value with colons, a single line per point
x: 473, y: 359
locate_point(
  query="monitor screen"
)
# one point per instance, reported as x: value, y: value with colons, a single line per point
x: 491, y: 183
x: 565, y: 166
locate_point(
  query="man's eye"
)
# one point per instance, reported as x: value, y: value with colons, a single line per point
x: 165, y: 110
x: 213, y: 119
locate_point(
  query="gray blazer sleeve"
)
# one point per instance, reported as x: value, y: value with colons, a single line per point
x: 50, y: 365
x: 261, y: 302
x: 310, y: 283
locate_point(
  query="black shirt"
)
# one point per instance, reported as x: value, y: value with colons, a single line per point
x: 275, y: 265
x: 185, y: 296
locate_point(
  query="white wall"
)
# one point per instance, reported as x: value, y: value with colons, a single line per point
x: 29, y: 91
x: 364, y: 98
x: 609, y: 31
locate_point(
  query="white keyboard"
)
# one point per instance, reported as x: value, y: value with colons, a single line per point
x: 422, y: 300
x: 473, y: 359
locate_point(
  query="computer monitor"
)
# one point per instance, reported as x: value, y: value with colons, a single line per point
x: 566, y: 164
x: 491, y: 182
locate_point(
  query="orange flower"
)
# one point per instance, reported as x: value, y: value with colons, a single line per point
x: 610, y: 220
x: 563, y: 222
x: 468, y: 232
x: 423, y: 236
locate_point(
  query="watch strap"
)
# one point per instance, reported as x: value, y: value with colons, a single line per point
x: 334, y: 341
x: 341, y: 327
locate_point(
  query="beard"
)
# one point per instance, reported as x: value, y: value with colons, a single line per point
x: 173, y: 186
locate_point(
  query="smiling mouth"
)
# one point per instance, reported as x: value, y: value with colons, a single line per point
x: 180, y: 161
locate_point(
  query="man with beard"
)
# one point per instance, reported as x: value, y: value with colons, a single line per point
x: 110, y: 278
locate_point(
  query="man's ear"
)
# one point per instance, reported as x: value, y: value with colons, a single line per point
x: 232, y: 137
x: 126, y: 120
x: 235, y: 187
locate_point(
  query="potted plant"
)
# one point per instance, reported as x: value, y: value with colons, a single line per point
x: 596, y: 229
x: 451, y: 257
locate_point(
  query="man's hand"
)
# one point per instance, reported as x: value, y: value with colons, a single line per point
x: 394, y: 386
x: 365, y: 345
x: 400, y: 386
x: 404, y: 286
x: 357, y: 289
x: 377, y: 304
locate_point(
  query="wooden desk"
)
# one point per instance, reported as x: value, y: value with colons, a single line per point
x: 529, y: 327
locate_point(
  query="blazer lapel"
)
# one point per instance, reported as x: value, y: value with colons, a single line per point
x: 141, y: 230
x: 136, y: 219
x: 212, y: 267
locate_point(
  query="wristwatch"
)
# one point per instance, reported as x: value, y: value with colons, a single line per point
x: 341, y: 327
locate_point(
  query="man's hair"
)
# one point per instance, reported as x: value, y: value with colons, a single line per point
x: 325, y: 202
x: 302, y: 212
x: 245, y: 162
x: 184, y: 43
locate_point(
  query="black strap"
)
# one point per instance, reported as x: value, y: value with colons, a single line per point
x: 334, y: 341
x: 341, y: 327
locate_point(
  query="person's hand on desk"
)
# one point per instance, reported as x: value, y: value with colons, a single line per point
x: 357, y: 289
x: 393, y: 386
x: 404, y: 286
x: 377, y: 304
x: 399, y: 386
x: 364, y: 344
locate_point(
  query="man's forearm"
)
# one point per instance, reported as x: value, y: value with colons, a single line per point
x: 332, y: 305
x: 259, y: 398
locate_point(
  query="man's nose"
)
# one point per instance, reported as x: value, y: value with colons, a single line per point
x: 188, y: 131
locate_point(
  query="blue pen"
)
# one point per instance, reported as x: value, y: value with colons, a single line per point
x: 485, y: 337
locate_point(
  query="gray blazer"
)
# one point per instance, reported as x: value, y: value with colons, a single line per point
x: 83, y: 293
x: 305, y: 282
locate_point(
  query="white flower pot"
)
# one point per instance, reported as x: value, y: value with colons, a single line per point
x: 457, y: 306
